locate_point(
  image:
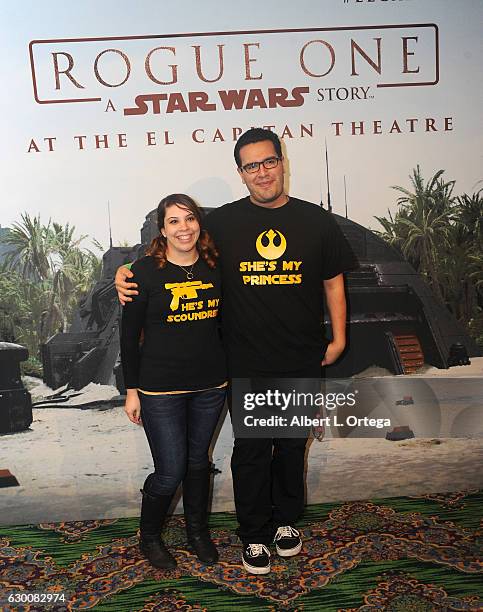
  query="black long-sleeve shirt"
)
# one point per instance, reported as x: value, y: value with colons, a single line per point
x: 181, y: 350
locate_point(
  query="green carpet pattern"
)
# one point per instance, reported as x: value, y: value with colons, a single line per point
x: 399, y: 554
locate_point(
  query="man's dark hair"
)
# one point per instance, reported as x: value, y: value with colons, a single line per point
x: 256, y: 135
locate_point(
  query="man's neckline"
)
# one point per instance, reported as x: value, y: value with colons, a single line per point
x: 261, y: 207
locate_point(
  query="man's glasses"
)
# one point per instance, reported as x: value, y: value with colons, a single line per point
x: 268, y: 164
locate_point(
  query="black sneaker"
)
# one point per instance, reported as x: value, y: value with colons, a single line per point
x: 256, y: 558
x: 287, y: 541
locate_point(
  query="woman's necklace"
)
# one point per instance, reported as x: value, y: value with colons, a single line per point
x: 189, y: 271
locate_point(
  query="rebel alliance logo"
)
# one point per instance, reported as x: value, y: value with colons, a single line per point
x: 267, y: 247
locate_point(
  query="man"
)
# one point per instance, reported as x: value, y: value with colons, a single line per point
x: 274, y: 251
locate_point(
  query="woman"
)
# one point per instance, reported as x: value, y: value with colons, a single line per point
x: 176, y: 380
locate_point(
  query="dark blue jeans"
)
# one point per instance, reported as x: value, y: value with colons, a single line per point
x: 179, y: 429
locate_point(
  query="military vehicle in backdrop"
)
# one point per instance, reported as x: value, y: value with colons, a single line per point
x: 395, y: 322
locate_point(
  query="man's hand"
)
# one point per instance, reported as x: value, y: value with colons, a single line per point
x: 132, y: 406
x: 333, y: 352
x: 123, y: 287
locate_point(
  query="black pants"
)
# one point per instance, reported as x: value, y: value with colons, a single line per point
x: 268, y: 474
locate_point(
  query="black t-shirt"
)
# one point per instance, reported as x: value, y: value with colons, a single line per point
x: 181, y: 350
x: 272, y: 262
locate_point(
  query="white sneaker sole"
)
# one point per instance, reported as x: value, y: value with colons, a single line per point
x: 255, y: 570
x: 290, y: 552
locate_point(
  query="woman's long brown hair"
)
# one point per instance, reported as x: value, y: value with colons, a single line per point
x: 205, y: 245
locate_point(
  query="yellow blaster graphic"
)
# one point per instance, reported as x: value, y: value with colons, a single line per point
x: 185, y: 291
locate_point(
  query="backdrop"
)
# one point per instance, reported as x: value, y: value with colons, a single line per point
x: 109, y: 107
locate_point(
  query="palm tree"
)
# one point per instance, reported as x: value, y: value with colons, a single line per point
x: 422, y: 223
x: 65, y: 247
x: 391, y: 227
x: 31, y: 244
x: 455, y: 266
x: 442, y: 236
x: 55, y: 270
x: 469, y: 209
x: 23, y: 304
x: 463, y: 262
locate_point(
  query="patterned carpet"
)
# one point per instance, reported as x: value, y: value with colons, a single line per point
x: 399, y: 554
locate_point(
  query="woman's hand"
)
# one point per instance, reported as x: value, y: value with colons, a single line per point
x: 132, y: 406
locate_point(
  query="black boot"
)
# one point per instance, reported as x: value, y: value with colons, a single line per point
x: 153, y: 512
x: 196, y: 486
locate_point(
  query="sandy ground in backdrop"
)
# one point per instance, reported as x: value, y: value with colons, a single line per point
x: 75, y: 464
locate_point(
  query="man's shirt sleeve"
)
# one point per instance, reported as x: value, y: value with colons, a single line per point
x: 337, y: 254
x: 132, y: 323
